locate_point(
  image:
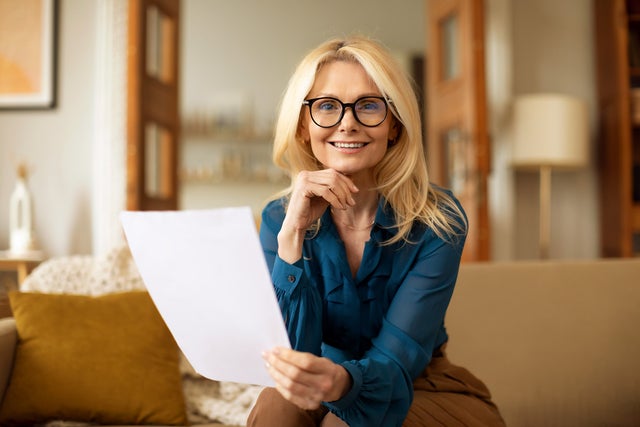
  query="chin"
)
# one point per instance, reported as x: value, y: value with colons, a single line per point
x: 351, y: 170
x: 347, y: 166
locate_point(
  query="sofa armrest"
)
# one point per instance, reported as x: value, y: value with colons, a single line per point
x: 8, y: 341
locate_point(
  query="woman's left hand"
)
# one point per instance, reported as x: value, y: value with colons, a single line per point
x: 305, y: 379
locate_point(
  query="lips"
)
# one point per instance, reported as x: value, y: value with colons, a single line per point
x: 352, y: 145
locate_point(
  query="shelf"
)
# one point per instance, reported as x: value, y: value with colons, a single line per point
x: 635, y: 217
x: 619, y: 207
x: 207, y: 138
x: 241, y: 181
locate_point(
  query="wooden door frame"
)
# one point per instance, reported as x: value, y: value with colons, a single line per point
x: 466, y: 110
x: 151, y: 100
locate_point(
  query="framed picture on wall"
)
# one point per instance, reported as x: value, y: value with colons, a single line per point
x: 28, y: 39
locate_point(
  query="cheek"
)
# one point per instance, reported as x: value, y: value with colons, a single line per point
x: 318, y: 135
x: 380, y: 153
x: 317, y: 148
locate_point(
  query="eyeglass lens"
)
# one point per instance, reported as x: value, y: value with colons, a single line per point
x: 327, y: 112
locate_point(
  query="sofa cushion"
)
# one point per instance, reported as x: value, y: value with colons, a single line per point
x: 107, y: 359
x: 115, y: 271
x: 556, y: 341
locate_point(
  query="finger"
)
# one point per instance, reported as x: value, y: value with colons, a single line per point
x: 331, y: 194
x: 313, y: 372
x: 337, y: 183
x: 299, y: 394
x: 302, y: 360
x: 341, y: 185
x: 343, y: 195
x: 306, y: 375
x: 301, y: 363
x: 292, y: 388
x: 335, y: 176
x: 292, y: 372
x: 297, y: 400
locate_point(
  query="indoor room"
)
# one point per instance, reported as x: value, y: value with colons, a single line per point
x: 530, y: 115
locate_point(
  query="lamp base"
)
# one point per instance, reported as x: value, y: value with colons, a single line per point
x: 544, y: 243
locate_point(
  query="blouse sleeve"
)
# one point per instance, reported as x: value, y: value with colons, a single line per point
x: 383, y: 379
x: 300, y: 303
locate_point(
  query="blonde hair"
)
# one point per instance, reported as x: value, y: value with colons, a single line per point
x: 401, y: 176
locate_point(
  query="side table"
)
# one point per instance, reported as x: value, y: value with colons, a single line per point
x: 21, y: 265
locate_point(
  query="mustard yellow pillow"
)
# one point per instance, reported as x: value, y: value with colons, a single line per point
x: 108, y: 359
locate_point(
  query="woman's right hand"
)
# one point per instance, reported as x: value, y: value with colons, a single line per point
x: 307, y: 380
x: 313, y: 192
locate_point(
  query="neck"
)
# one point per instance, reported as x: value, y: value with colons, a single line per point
x: 362, y: 215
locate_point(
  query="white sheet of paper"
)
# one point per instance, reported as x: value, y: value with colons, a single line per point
x: 206, y: 273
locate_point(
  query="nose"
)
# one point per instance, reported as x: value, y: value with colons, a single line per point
x: 348, y: 120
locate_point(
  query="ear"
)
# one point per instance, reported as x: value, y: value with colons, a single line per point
x: 303, y: 130
x: 394, y: 129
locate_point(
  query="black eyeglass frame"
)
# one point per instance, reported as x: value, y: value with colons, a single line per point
x: 345, y: 105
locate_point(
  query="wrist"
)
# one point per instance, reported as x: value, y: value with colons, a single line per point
x: 342, y: 383
x: 290, y: 244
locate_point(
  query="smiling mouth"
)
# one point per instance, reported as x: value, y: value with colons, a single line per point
x: 348, y: 144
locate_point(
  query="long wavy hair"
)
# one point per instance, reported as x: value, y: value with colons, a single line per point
x: 401, y: 176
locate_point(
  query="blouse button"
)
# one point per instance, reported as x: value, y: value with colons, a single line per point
x: 291, y: 278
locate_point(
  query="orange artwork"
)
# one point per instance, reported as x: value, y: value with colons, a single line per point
x: 27, y: 53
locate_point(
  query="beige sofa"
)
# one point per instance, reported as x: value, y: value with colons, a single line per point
x: 556, y: 342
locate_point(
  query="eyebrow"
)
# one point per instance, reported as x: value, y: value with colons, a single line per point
x: 329, y: 95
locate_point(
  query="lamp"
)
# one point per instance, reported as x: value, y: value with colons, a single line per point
x: 551, y: 131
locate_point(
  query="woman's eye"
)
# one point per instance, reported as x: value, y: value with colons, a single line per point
x: 369, y: 105
x: 327, y: 106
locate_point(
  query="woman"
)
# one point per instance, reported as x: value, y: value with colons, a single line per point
x: 364, y: 254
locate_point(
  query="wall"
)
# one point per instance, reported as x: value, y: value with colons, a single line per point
x: 499, y: 72
x: 252, y: 47
x: 520, y: 59
x: 57, y: 144
x: 244, y: 53
x: 551, y: 49
x: 553, y: 52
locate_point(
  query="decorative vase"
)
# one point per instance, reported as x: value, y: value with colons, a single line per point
x: 21, y: 239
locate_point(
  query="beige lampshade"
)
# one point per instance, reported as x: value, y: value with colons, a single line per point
x: 550, y: 130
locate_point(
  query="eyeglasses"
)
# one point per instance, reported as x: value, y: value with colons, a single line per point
x: 327, y: 112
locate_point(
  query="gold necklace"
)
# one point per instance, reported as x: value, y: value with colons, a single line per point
x: 351, y: 226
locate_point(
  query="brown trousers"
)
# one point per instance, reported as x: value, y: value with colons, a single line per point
x: 444, y: 395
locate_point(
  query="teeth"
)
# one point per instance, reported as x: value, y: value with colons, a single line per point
x: 349, y: 144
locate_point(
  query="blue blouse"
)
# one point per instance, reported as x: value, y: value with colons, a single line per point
x: 383, y: 325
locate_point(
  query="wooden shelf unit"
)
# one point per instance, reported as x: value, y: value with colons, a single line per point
x: 617, y: 24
